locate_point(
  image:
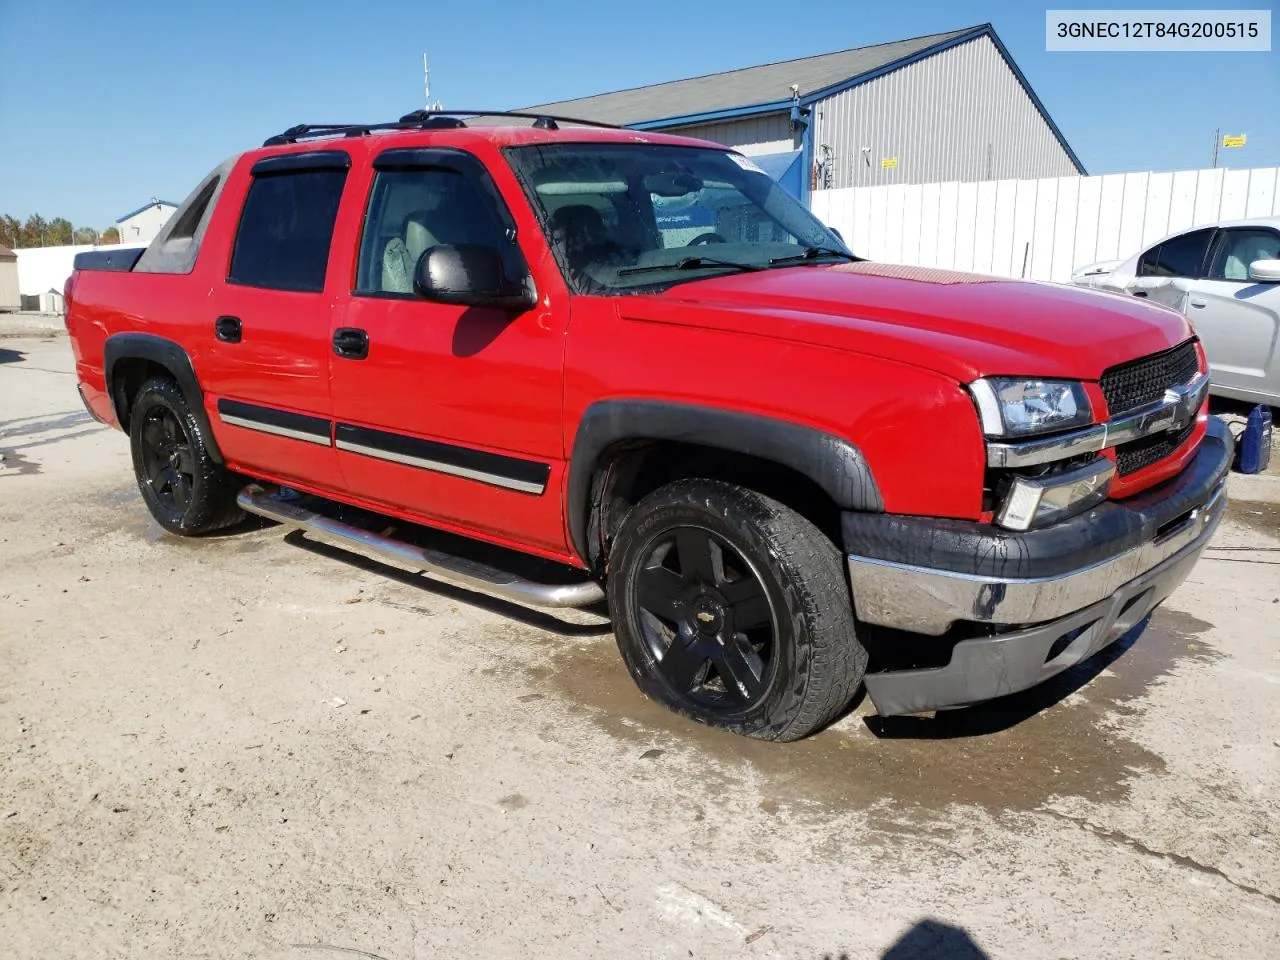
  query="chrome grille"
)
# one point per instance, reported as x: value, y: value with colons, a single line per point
x: 1143, y: 381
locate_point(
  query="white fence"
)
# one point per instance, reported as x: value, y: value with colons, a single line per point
x: 1039, y: 229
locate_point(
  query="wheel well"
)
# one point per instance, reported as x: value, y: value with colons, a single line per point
x: 632, y: 469
x: 127, y: 377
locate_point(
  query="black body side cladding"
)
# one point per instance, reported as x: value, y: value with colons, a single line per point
x: 121, y: 261
x: 315, y: 426
x: 833, y: 463
x: 481, y: 461
x: 984, y: 550
x: 170, y: 356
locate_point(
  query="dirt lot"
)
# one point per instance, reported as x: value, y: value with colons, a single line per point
x: 242, y: 747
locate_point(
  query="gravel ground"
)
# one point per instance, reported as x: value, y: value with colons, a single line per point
x: 248, y: 746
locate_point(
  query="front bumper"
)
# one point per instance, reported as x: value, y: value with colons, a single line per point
x: 1046, y: 599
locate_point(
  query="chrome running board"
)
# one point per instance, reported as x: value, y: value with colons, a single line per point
x: 466, y: 573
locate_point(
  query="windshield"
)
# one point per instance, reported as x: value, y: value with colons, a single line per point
x: 625, y: 217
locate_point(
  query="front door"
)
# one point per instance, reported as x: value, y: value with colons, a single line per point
x: 445, y: 412
x: 267, y: 368
x: 1237, y: 318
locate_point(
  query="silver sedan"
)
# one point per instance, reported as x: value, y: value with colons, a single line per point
x: 1226, y: 279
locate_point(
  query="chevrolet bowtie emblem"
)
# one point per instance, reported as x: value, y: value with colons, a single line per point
x: 1183, y: 411
x: 704, y: 616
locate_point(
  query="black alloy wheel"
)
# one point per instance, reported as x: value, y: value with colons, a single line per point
x: 167, y: 460
x: 706, y: 620
x: 733, y: 609
x: 185, y: 488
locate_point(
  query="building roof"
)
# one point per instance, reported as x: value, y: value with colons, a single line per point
x: 146, y: 206
x: 6, y: 254
x: 769, y: 83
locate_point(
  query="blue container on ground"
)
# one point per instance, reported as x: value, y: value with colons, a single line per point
x: 1254, y: 450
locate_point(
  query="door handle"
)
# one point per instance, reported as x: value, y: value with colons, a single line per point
x: 1140, y: 293
x: 227, y: 329
x: 351, y: 342
x: 1197, y: 302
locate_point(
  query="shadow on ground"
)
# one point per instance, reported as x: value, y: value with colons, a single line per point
x: 933, y: 940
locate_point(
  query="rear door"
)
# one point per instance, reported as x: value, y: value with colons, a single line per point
x: 1237, y: 318
x: 268, y: 366
x: 445, y: 412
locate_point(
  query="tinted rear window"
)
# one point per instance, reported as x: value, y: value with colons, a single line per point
x: 285, y: 230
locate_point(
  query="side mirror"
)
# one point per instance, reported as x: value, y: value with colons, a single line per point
x: 1265, y: 271
x: 469, y: 275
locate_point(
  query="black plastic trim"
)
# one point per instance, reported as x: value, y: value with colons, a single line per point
x: 174, y: 359
x: 833, y: 463
x: 964, y: 547
x: 467, y: 458
x: 116, y: 260
x: 311, y: 160
x: 273, y: 417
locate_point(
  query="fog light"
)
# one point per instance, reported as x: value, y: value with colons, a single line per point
x: 1039, y: 501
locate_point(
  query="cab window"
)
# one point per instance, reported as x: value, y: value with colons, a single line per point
x: 412, y: 210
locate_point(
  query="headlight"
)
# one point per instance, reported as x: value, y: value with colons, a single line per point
x: 1010, y: 407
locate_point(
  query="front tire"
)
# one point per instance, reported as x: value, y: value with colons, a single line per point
x: 733, y: 610
x: 186, y: 491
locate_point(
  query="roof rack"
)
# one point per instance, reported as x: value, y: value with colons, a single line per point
x: 423, y: 120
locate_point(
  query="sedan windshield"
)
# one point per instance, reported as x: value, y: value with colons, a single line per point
x: 632, y: 217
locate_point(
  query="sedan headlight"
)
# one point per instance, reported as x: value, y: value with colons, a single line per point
x: 1012, y: 407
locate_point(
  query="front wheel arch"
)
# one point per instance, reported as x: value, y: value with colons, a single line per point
x: 832, y: 465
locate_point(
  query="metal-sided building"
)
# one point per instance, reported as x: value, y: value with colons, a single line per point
x: 141, y: 226
x: 949, y: 106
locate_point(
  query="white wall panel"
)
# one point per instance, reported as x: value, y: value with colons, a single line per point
x: 966, y: 225
x: 1088, y: 211
x: 1235, y: 195
x: 1002, y: 227
x: 1064, y: 227
x: 1054, y: 226
x: 1262, y: 193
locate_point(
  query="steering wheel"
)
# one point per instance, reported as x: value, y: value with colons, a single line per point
x: 702, y: 238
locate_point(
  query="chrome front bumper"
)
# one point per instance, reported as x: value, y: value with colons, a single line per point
x: 1041, y: 601
x: 928, y: 601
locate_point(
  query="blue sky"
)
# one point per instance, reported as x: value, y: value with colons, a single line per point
x: 106, y: 104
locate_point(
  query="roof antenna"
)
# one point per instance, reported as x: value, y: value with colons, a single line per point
x: 426, y: 88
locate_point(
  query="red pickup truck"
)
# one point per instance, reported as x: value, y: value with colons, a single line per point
x: 791, y: 472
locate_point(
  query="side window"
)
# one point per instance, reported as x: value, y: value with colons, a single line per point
x: 1182, y: 256
x: 412, y: 210
x: 1240, y: 247
x: 286, y: 228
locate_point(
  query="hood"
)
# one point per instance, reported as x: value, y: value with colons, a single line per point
x: 961, y: 325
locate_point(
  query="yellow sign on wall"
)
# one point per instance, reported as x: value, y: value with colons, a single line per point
x: 1234, y: 140
x: 889, y: 162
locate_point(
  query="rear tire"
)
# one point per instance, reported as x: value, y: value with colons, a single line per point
x: 186, y: 491
x: 733, y: 610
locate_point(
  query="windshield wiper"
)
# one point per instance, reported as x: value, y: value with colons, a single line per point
x: 688, y: 263
x: 813, y: 253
